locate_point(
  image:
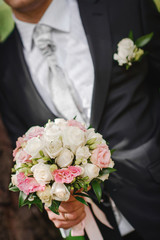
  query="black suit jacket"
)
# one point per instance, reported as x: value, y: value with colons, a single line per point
x: 125, y: 103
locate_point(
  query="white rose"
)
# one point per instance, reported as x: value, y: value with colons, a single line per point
x: 53, y: 147
x: 97, y: 137
x: 83, y: 153
x: 14, y: 180
x: 73, y: 138
x: 61, y: 123
x: 42, y: 173
x: 34, y: 145
x: 90, y: 170
x: 106, y: 176
x: 51, y: 131
x: 126, y: 53
x: 45, y: 196
x: 60, y: 192
x: 65, y: 158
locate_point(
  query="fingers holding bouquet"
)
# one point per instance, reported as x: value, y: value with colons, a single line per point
x: 71, y: 213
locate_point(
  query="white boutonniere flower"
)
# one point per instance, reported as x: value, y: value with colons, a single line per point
x: 129, y: 51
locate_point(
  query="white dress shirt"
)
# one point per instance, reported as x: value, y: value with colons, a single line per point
x: 73, y: 56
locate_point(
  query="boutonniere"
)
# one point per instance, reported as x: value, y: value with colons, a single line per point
x: 130, y: 51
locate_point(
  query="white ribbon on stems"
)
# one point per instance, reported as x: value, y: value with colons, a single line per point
x: 89, y: 223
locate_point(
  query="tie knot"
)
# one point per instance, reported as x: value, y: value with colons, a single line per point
x: 42, y: 39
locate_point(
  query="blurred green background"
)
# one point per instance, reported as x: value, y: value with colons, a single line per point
x: 7, y: 24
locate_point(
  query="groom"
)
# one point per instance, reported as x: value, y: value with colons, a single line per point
x: 123, y: 105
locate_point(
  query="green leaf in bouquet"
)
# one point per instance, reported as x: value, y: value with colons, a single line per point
x: 130, y: 35
x: 96, y: 185
x: 80, y: 199
x: 41, y: 153
x: 105, y: 171
x: 112, y: 151
x: 75, y: 117
x: 142, y: 41
x: 22, y: 198
x: 55, y: 206
x: 82, y: 194
x: 13, y: 188
x: 90, y: 126
x: 91, y: 141
x: 36, y: 201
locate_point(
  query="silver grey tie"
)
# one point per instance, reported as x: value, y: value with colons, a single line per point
x: 61, y: 92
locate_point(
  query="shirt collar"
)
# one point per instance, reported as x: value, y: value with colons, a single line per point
x: 56, y: 16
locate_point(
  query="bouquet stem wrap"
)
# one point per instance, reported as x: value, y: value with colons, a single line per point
x: 92, y: 230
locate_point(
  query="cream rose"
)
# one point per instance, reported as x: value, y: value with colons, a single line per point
x: 82, y: 154
x: 51, y: 131
x: 90, y: 170
x: 42, y: 173
x: 53, y: 147
x: 125, y: 53
x: 14, y: 180
x: 33, y: 146
x: 59, y: 192
x: 65, y: 158
x: 45, y: 196
x: 61, y: 123
x: 73, y: 138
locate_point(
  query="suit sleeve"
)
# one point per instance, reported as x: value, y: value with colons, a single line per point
x: 151, y: 23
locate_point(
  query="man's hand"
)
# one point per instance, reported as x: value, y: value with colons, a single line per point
x: 71, y: 213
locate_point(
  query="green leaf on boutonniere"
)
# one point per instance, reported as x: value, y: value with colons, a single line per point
x: 105, y: 171
x: 130, y: 35
x: 22, y: 198
x: 80, y: 199
x: 13, y: 188
x: 55, y: 206
x: 142, y: 41
x: 96, y: 185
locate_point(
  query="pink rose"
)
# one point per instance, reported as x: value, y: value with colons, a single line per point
x: 28, y: 184
x: 75, y: 123
x: 63, y: 175
x: 75, y: 170
x: 101, y: 156
x: 34, y: 132
x: 22, y: 156
x: 19, y: 143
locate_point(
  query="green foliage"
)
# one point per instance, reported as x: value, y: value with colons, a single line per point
x: 80, y: 199
x: 13, y: 188
x: 82, y: 194
x: 55, y: 206
x: 157, y: 3
x: 142, y: 41
x: 96, y: 185
x: 24, y: 200
x: 6, y: 21
x: 105, y: 171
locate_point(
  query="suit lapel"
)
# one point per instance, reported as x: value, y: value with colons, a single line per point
x: 35, y: 107
x: 95, y: 21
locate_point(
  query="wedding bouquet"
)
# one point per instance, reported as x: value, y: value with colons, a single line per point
x: 57, y: 160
